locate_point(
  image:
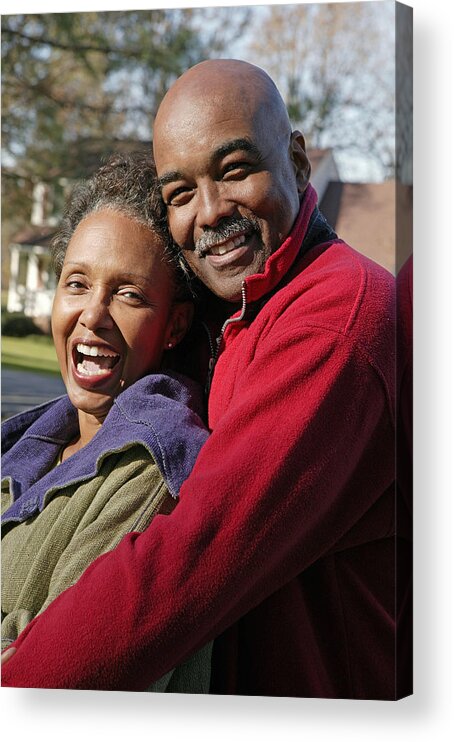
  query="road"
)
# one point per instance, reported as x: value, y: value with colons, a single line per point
x: 24, y: 389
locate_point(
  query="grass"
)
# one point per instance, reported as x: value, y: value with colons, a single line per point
x: 32, y: 353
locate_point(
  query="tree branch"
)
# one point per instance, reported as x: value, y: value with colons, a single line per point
x: 43, y: 41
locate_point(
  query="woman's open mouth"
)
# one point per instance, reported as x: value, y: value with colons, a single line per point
x: 94, y: 360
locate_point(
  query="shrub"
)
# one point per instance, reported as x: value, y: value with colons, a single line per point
x: 17, y: 325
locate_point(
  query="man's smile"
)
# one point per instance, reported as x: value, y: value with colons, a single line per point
x: 225, y: 247
x: 237, y: 251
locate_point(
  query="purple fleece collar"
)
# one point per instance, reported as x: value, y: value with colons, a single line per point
x: 163, y: 412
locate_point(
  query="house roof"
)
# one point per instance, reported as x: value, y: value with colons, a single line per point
x: 316, y: 156
x: 84, y: 157
x: 31, y: 235
x: 364, y: 215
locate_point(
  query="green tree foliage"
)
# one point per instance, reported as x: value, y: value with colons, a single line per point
x: 75, y: 84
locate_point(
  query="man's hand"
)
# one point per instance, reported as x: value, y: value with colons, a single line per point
x: 7, y: 654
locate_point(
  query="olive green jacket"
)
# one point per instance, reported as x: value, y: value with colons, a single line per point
x: 48, y: 551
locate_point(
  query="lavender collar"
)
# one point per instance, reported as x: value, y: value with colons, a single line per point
x: 162, y: 412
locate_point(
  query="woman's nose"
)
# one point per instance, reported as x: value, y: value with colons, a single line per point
x: 96, y: 313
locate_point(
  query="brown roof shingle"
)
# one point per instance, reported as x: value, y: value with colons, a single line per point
x: 364, y: 215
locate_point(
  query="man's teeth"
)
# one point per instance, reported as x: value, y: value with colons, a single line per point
x: 228, y: 246
x: 93, y: 350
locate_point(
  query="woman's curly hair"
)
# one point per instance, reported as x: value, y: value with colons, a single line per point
x: 126, y: 184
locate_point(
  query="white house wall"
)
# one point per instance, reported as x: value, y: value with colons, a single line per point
x: 34, y: 297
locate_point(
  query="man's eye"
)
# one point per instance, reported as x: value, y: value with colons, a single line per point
x: 131, y: 296
x: 75, y: 284
x: 178, y: 197
x: 237, y: 169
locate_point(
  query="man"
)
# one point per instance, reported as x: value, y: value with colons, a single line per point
x: 282, y: 542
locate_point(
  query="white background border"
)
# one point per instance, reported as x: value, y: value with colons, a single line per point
x: 56, y: 715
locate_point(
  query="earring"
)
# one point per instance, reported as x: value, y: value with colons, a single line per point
x: 169, y: 345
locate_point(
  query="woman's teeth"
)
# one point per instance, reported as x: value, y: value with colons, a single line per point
x: 87, y: 365
x: 228, y: 246
x: 91, y: 369
x: 93, y: 350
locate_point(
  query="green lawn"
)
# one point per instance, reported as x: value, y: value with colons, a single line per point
x: 33, y: 353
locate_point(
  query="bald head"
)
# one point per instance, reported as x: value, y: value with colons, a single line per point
x: 228, y: 85
x: 231, y: 170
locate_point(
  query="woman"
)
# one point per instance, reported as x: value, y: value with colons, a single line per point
x: 85, y: 469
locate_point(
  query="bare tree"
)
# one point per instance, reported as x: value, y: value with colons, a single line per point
x: 334, y: 64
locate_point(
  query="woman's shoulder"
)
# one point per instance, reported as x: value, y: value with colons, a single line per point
x: 163, y: 412
x: 161, y: 393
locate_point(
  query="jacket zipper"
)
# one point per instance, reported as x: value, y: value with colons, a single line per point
x: 215, y: 351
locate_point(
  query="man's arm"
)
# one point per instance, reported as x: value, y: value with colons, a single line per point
x: 271, y: 492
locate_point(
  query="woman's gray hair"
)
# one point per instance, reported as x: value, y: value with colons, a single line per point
x: 125, y: 184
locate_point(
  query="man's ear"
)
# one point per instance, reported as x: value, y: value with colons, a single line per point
x: 300, y: 162
x: 181, y: 315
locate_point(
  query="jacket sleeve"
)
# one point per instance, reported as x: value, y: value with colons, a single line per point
x: 289, y: 473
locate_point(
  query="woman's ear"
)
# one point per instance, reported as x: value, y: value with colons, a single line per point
x: 181, y: 315
x: 300, y: 161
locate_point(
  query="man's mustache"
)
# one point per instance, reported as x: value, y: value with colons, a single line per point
x: 224, y: 231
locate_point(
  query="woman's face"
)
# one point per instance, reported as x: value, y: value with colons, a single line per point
x: 113, y: 313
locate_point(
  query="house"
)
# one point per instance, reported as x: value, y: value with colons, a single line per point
x: 374, y: 218
x: 363, y: 214
x: 31, y: 280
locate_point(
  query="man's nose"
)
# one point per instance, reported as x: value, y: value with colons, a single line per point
x: 213, y: 204
x: 96, y: 313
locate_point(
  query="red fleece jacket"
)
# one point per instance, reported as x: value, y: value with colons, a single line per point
x: 283, y: 537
